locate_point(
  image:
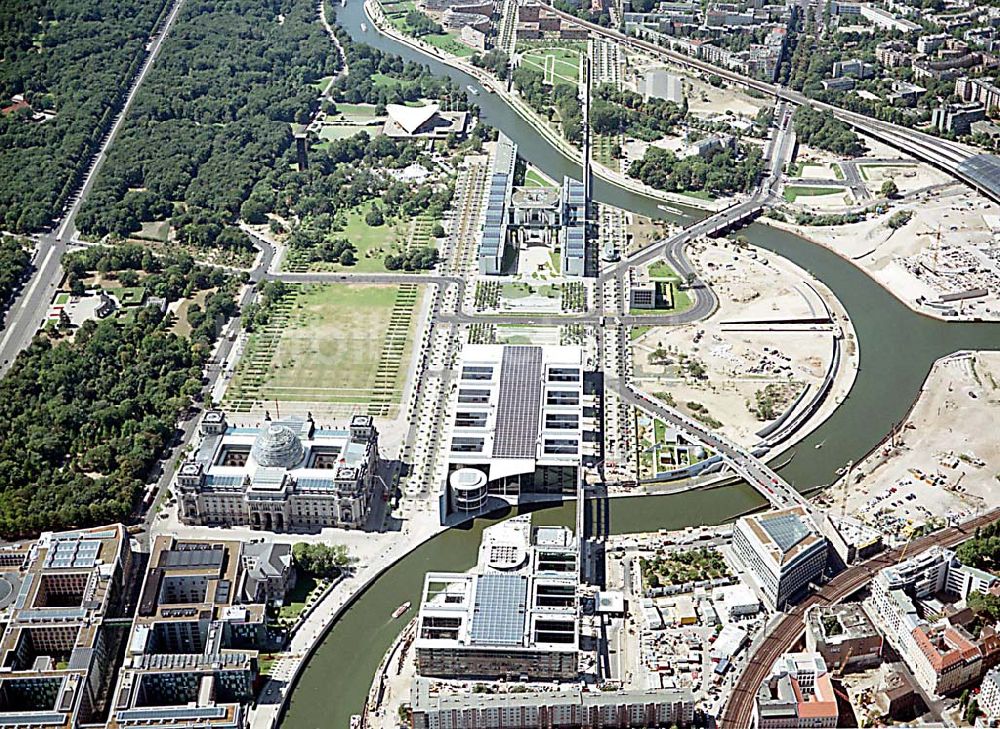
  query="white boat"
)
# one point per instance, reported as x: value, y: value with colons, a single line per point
x: 364, y: 28
x: 819, y: 445
x: 473, y: 90
x: 400, y: 610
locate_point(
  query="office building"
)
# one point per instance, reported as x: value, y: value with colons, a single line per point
x: 797, y: 693
x: 658, y: 84
x: 844, y: 636
x: 989, y: 694
x: 783, y: 550
x: 513, y: 616
x: 558, y: 708
x: 493, y: 236
x: 517, y: 425
x: 979, y: 91
x: 280, y: 475
x: 192, y: 654
x: 269, y: 572
x: 957, y: 118
x: 943, y: 656
x: 855, y: 68
x: 574, y: 235
x: 59, y: 596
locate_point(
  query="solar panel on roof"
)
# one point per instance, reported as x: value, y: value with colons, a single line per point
x: 499, y: 610
x: 786, y: 530
x: 187, y: 558
x: 519, y: 402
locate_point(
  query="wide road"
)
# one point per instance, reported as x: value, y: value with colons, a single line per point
x: 739, y: 709
x: 28, y: 309
x: 937, y: 151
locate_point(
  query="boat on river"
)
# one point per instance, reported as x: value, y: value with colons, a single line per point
x: 473, y: 90
x: 401, y: 609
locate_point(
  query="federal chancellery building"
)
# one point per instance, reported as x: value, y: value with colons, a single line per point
x: 280, y: 475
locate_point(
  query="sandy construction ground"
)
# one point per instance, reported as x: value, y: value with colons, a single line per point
x: 947, y: 458
x: 947, y: 246
x: 743, y: 346
x: 909, y: 177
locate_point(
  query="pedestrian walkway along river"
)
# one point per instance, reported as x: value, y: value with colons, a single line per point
x: 897, y: 349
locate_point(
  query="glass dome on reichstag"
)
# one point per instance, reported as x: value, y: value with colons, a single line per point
x: 277, y: 447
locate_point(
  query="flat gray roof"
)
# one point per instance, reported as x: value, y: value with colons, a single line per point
x: 984, y: 170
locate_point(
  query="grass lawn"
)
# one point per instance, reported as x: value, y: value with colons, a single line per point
x: 265, y: 662
x: 662, y: 270
x: 699, y: 194
x: 373, y: 243
x: 636, y: 332
x: 449, y: 43
x: 321, y: 84
x: 603, y: 146
x: 556, y: 63
x: 794, y: 191
x: 356, y: 112
x: 659, y: 430
x: 340, y: 344
x: 534, y: 178
x: 330, y: 132
x: 129, y: 296
x: 157, y: 231
x: 295, y: 601
x: 516, y: 290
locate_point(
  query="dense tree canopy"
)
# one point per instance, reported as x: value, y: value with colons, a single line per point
x: 820, y: 129
x: 723, y: 171
x: 380, y: 78
x: 172, y: 277
x: 213, y: 116
x: 82, y: 421
x: 14, y: 263
x: 623, y: 111
x: 74, y: 58
x: 320, y: 560
x: 560, y: 99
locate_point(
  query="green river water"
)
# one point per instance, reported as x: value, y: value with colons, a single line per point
x: 897, y: 348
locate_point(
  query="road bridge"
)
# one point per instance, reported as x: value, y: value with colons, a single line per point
x: 779, y: 493
x: 979, y: 171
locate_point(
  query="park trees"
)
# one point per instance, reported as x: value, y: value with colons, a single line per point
x: 320, y: 560
x: 722, y: 171
x: 71, y: 59
x: 820, y: 129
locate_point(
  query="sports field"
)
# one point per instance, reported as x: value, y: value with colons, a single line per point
x: 558, y: 64
x: 336, y: 344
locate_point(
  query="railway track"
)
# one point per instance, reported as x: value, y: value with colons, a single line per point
x: 739, y: 709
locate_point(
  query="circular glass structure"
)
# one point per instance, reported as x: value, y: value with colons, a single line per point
x: 277, y: 447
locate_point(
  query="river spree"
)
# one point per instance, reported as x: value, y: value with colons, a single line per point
x: 897, y: 350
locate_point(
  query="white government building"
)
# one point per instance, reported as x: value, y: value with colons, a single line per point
x: 517, y: 425
x: 280, y: 475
